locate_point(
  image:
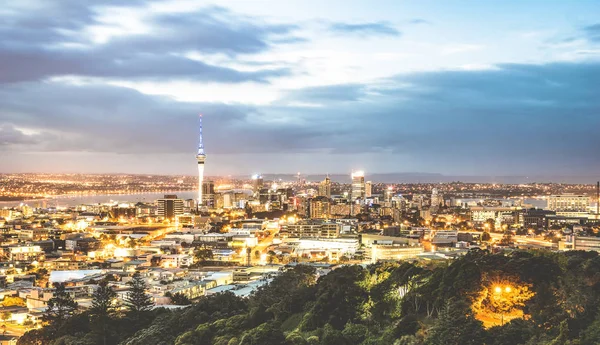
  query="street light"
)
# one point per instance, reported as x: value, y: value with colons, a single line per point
x: 499, y: 291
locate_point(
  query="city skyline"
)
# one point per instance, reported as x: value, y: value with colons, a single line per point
x: 459, y: 89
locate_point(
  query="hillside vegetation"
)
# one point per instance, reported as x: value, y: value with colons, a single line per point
x: 519, y: 298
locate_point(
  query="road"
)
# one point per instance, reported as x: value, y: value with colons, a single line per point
x: 525, y: 240
x: 12, y: 329
x: 262, y: 246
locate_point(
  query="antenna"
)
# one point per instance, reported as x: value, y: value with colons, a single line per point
x: 200, y: 139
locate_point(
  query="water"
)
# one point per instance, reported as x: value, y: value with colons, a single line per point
x: 73, y: 200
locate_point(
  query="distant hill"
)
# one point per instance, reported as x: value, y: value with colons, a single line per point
x: 418, y: 177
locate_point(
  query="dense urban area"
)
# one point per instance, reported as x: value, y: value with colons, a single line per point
x: 283, y: 258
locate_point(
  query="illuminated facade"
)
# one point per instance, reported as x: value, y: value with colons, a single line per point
x: 569, y: 202
x: 169, y: 207
x: 368, y: 189
x: 208, y: 193
x: 200, y: 158
x: 358, y: 185
x: 325, y: 187
x: 320, y: 207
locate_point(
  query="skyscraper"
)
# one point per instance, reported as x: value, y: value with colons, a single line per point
x: 368, y: 189
x: 358, y: 185
x: 320, y: 207
x: 325, y: 187
x: 200, y: 157
x: 169, y: 207
x: 436, y: 198
x: 208, y: 193
x: 257, y: 184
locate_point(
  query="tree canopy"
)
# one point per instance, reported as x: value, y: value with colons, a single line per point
x: 517, y: 298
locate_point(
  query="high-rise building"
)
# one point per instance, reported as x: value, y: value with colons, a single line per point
x: 368, y: 189
x: 257, y: 183
x: 170, y: 206
x: 208, y: 193
x: 389, y: 192
x: 436, y: 198
x: 320, y: 207
x: 325, y: 187
x: 358, y: 185
x: 569, y: 202
x: 200, y: 157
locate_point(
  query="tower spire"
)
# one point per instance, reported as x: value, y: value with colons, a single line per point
x: 200, y: 158
x: 200, y: 141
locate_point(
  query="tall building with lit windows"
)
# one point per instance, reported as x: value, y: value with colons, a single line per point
x: 170, y: 206
x: 358, y: 185
x: 320, y: 207
x: 208, y: 193
x: 569, y: 202
x: 368, y: 189
x: 200, y: 158
x: 325, y: 187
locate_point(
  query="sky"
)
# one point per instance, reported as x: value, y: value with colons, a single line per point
x: 450, y: 87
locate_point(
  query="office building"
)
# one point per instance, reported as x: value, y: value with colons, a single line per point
x: 388, y: 194
x: 569, y: 202
x: 320, y: 207
x: 170, y: 206
x: 358, y: 185
x: 325, y: 187
x: 368, y: 189
x: 208, y: 193
x: 586, y: 243
x: 257, y: 184
x: 312, y: 228
x: 436, y: 199
x: 394, y: 252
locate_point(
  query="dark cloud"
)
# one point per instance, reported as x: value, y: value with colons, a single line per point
x: 592, y: 32
x: 106, y: 119
x: 32, y: 44
x: 30, y: 66
x: 367, y: 29
x: 515, y: 119
x: 330, y: 93
x: 9, y: 136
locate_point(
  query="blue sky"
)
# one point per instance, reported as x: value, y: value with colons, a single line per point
x: 452, y: 87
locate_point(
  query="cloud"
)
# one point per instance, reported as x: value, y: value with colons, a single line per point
x: 327, y: 94
x: 365, y: 29
x: 35, y: 44
x: 11, y: 136
x: 418, y: 21
x: 526, y: 116
x: 592, y: 32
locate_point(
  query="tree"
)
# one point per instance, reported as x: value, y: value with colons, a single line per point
x: 137, y: 301
x: 265, y: 334
x: 271, y: 256
x: 179, y: 298
x: 490, y: 224
x: 103, y: 309
x: 486, y: 237
x: 456, y: 326
x: 13, y: 301
x: 6, y: 315
x: 60, y: 307
x: 203, y: 254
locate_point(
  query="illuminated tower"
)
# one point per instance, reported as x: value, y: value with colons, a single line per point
x: 358, y: 185
x: 200, y: 157
x: 325, y: 187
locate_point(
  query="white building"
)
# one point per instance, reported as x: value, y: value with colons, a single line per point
x: 569, y: 202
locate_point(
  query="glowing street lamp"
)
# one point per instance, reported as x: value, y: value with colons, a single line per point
x: 499, y: 291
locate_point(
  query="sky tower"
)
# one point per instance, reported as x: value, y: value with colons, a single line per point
x: 200, y: 157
